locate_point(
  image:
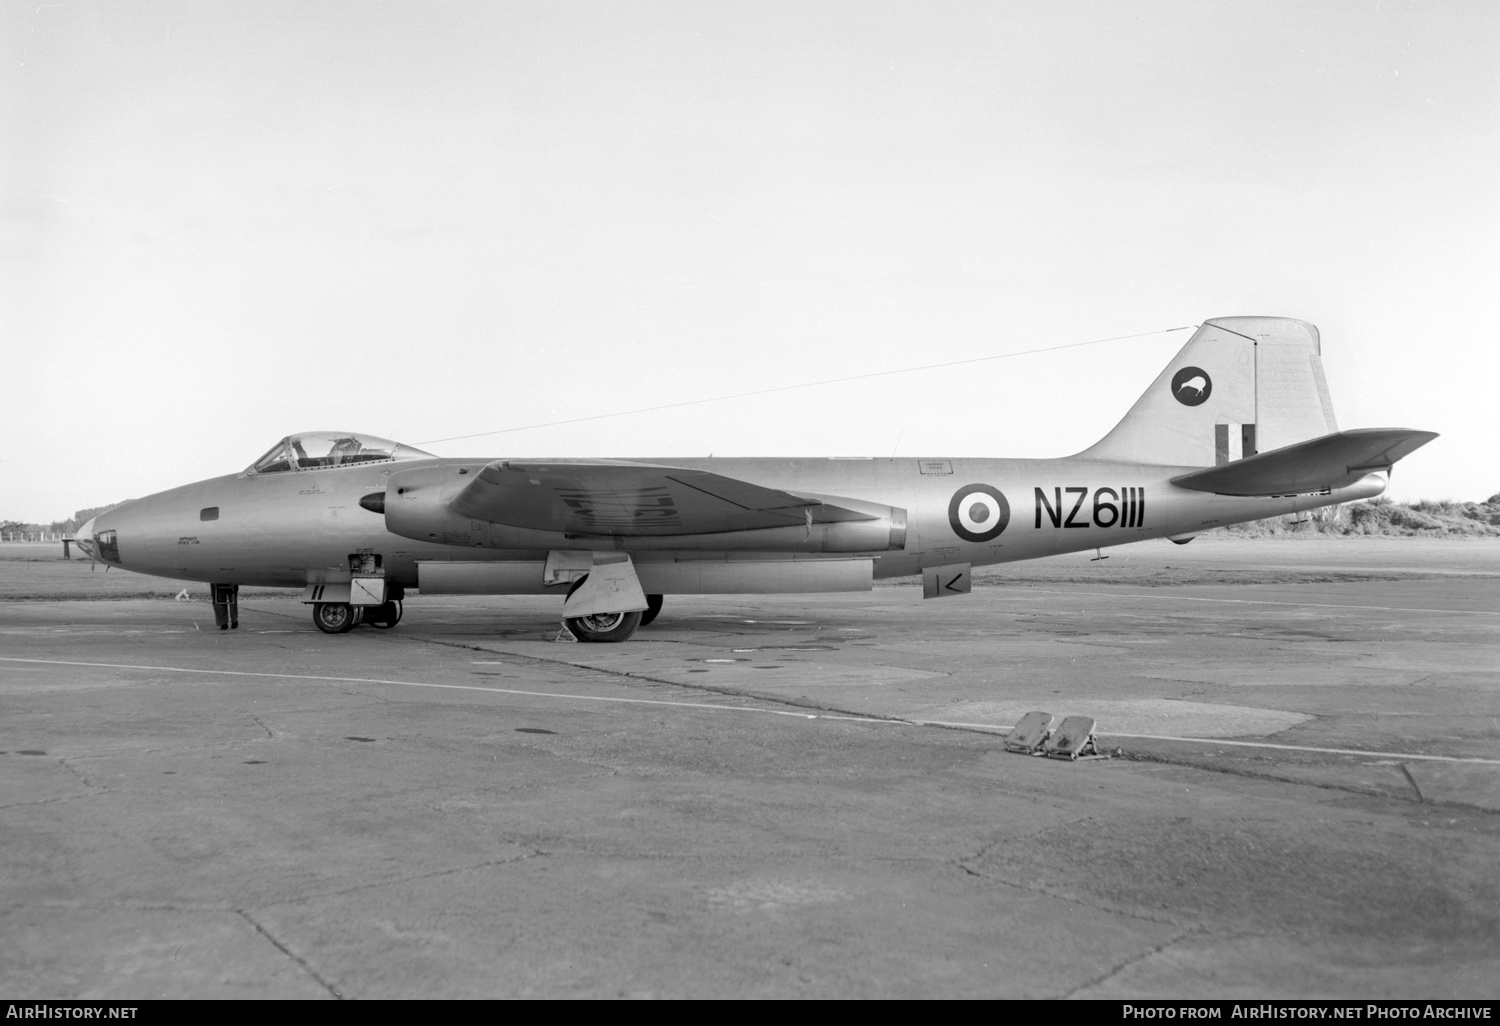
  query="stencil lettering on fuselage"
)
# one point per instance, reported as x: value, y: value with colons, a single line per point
x: 978, y: 513
x: 1111, y: 507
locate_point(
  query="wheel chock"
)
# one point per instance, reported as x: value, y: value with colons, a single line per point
x: 1073, y: 740
x: 565, y: 635
x: 1028, y: 736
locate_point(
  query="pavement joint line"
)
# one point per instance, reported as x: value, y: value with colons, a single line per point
x: 530, y: 853
x: 1134, y: 959
x: 54, y: 801
x: 467, y: 687
x: 1413, y: 782
x: 1467, y: 760
x: 635, y: 676
x: 1107, y: 907
x: 984, y: 727
x: 123, y: 906
x: 289, y: 953
x: 1267, y: 602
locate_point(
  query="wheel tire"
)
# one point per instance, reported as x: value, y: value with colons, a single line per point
x: 334, y: 617
x: 384, y: 616
x: 653, y: 609
x: 604, y: 626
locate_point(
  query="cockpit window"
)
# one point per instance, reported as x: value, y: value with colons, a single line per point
x: 320, y: 450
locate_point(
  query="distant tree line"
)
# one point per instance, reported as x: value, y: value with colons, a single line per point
x: 1381, y: 516
x: 17, y: 530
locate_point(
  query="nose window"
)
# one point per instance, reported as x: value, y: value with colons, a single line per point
x: 209, y: 513
x: 109, y: 547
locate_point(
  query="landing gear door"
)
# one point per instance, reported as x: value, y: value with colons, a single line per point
x: 367, y: 578
x: 610, y: 587
x: 367, y: 591
x: 943, y: 581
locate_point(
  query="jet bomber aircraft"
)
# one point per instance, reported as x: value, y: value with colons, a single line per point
x: 1238, y: 427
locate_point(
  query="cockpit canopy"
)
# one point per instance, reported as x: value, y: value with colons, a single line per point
x: 321, y: 450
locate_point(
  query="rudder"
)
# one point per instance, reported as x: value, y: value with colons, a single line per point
x: 1241, y: 385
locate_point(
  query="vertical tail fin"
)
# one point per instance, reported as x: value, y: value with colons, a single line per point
x: 1240, y: 386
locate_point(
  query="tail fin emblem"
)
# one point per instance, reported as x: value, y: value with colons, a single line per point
x: 1191, y: 386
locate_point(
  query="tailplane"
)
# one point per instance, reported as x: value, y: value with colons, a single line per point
x: 1319, y: 465
x: 1241, y: 386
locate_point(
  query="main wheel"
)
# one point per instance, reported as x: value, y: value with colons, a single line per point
x: 604, y: 626
x: 334, y: 617
x: 653, y: 608
x: 384, y: 616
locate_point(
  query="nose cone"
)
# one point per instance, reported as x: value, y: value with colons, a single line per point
x: 84, y: 539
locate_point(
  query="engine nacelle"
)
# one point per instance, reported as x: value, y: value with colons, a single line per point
x: 418, y: 505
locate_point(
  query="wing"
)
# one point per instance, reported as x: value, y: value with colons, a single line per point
x: 1331, y: 461
x: 608, y: 497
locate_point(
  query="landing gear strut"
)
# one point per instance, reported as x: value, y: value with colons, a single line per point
x: 226, y: 602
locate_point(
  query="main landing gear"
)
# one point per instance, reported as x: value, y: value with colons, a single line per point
x: 613, y: 626
x: 604, y: 626
x: 341, y: 617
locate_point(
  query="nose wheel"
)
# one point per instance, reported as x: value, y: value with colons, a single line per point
x: 335, y: 617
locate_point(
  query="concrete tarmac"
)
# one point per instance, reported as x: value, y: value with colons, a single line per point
x: 770, y: 796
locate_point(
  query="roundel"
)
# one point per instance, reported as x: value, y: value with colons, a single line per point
x: 1191, y: 386
x: 978, y: 512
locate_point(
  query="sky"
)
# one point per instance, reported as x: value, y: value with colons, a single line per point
x: 223, y: 222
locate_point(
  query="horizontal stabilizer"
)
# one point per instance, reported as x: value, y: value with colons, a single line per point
x: 1332, y: 461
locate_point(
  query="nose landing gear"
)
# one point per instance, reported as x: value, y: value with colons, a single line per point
x: 335, y: 617
x: 384, y: 616
x: 226, y: 602
x: 341, y: 617
x: 367, y: 598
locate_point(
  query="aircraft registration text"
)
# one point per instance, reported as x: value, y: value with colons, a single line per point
x: 1111, y: 507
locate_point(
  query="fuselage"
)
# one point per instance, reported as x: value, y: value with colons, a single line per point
x: 301, y: 528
